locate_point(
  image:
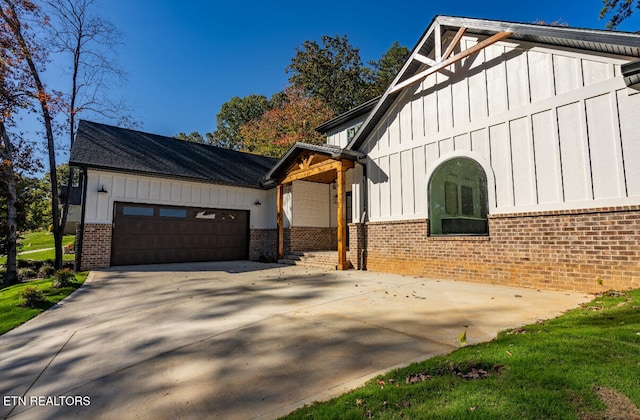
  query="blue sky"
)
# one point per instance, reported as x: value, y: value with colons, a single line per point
x: 185, y: 58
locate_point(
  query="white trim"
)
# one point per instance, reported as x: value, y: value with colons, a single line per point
x: 484, y: 164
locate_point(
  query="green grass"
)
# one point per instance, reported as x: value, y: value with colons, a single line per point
x: 34, y: 241
x: 552, y: 369
x: 13, y: 314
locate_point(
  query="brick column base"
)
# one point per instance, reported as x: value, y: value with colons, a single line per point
x: 263, y: 245
x: 96, y: 246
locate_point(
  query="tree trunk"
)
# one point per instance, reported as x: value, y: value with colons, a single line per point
x: 8, y: 176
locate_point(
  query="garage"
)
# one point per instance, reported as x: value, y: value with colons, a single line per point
x: 155, y: 234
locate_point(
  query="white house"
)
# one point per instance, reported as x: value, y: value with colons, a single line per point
x: 502, y: 153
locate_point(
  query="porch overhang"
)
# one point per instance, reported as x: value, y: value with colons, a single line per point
x: 322, y: 164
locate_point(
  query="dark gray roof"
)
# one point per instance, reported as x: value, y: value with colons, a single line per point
x: 609, y: 42
x: 359, y: 110
x: 334, y: 152
x: 102, y: 146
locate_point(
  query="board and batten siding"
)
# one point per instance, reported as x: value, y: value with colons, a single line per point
x: 140, y: 189
x: 556, y: 128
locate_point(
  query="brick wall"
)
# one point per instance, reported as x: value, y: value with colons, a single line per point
x: 96, y: 246
x: 263, y: 244
x: 588, y: 251
x: 297, y: 239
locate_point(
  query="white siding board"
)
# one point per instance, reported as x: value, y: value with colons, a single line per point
x: 432, y: 154
x: 431, y: 106
x: 445, y: 146
x: 406, y: 127
x: 417, y: 115
x: 540, y: 75
x: 165, y: 191
x: 523, y: 165
x: 143, y: 190
x: 462, y: 142
x: 396, y: 184
x: 154, y: 190
x: 630, y: 138
x: 594, y: 72
x: 517, y: 79
x: 460, y: 91
x: 385, y: 188
x: 501, y: 163
x: 496, y: 80
x: 420, y: 180
x: 130, y: 188
x: 406, y: 167
x: 574, y: 154
x: 445, y: 104
x: 566, y: 72
x: 603, y: 145
x: 480, y: 144
x: 547, y: 158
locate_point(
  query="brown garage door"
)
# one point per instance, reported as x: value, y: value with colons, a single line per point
x: 152, y: 234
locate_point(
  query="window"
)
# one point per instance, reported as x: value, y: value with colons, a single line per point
x: 352, y: 131
x: 137, y: 211
x: 173, y: 212
x: 458, y: 199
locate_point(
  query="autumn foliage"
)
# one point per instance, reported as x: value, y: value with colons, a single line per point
x: 279, y: 128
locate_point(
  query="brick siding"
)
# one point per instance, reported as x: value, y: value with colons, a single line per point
x: 589, y: 250
x: 297, y: 239
x: 96, y: 246
x: 263, y: 244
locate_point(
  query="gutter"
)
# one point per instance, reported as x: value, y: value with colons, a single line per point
x: 631, y: 74
x: 363, y: 215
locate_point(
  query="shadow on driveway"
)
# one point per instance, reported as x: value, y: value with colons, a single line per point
x: 241, y: 339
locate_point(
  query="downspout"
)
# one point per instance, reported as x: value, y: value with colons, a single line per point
x: 80, y: 235
x: 363, y: 215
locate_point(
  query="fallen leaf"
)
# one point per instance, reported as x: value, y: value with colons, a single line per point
x: 462, y: 338
x: 509, y: 353
x: 380, y: 382
x: 474, y: 408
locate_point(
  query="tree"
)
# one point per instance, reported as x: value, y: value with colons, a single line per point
x: 89, y: 42
x: 16, y: 88
x: 232, y: 116
x: 194, y: 137
x: 618, y: 10
x: 279, y: 128
x: 384, y: 70
x: 75, y: 32
x: 13, y: 13
x: 331, y: 72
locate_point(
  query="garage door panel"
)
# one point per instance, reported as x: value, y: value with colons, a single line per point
x: 142, y: 236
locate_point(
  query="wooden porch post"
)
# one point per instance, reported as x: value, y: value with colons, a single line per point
x: 280, y: 223
x: 342, y: 219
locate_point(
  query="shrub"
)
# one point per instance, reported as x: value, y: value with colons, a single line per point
x: 23, y: 263
x: 46, y: 270
x: 33, y: 297
x: 63, y: 278
x: 26, y: 273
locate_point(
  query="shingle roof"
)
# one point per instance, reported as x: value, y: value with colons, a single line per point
x: 102, y: 146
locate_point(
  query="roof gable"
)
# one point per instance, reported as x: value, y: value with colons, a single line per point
x: 430, y: 56
x: 102, y: 146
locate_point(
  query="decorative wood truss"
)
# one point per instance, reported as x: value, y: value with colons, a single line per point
x: 443, y: 60
x: 321, y: 168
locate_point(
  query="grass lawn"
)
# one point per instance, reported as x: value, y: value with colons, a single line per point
x: 13, y: 314
x: 34, y: 241
x: 582, y: 365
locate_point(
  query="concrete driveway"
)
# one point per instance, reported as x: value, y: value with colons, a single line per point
x: 240, y: 340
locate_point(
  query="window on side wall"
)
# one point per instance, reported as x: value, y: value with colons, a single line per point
x: 352, y: 131
x: 458, y: 199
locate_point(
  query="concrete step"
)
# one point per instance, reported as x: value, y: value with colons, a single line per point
x: 321, y: 259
